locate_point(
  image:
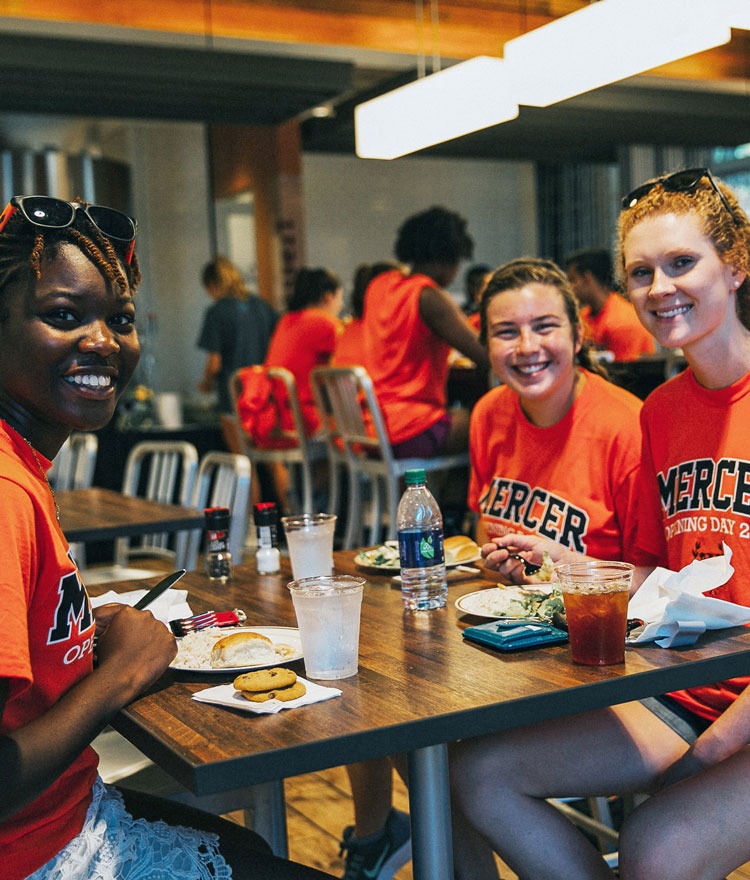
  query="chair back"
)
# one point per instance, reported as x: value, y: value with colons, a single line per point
x: 354, y: 421
x: 223, y: 480
x: 73, y: 466
x: 269, y: 423
x: 161, y: 470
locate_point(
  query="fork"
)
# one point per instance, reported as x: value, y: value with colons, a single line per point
x: 529, y: 568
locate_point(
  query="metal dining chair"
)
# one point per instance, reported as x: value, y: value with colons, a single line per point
x: 223, y: 480
x: 73, y: 468
x: 161, y: 470
x: 346, y: 400
x: 285, y: 440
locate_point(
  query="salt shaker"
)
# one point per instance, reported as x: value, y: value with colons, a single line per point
x: 267, y: 556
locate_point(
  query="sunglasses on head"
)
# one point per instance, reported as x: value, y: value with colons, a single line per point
x: 681, y: 181
x: 51, y: 213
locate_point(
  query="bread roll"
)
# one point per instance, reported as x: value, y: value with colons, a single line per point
x: 459, y: 548
x: 242, y: 649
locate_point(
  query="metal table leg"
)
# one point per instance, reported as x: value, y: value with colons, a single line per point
x: 430, y: 810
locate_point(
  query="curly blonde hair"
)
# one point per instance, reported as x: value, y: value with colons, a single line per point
x: 729, y: 232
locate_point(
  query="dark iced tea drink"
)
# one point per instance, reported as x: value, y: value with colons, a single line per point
x: 596, y: 605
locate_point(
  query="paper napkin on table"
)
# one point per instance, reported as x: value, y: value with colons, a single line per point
x: 226, y: 695
x: 674, y: 608
x: 171, y: 605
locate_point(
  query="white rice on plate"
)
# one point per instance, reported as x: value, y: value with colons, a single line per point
x: 194, y: 650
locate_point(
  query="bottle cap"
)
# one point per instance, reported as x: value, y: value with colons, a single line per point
x: 264, y: 513
x: 414, y: 476
x: 217, y: 518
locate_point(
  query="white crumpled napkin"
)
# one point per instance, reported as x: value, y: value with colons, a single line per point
x: 226, y: 695
x: 171, y: 605
x: 674, y: 607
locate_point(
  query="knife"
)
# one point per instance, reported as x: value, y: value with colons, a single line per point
x: 160, y: 588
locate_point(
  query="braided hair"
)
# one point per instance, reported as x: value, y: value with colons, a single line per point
x: 23, y: 247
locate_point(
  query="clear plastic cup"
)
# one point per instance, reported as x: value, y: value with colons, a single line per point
x: 328, y: 611
x: 309, y: 538
x: 596, y: 596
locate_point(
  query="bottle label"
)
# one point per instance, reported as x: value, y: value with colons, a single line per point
x: 420, y: 548
x: 217, y: 541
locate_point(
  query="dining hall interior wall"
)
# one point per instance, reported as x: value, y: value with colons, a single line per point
x: 354, y: 207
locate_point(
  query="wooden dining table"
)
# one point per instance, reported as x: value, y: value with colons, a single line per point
x: 99, y: 514
x: 420, y: 686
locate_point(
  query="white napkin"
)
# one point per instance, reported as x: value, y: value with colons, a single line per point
x: 171, y: 605
x: 226, y: 695
x: 674, y: 607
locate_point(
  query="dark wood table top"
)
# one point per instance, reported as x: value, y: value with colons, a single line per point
x: 419, y: 684
x: 99, y: 514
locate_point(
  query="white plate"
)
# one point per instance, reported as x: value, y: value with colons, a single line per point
x: 363, y: 562
x: 496, y: 602
x: 286, y: 635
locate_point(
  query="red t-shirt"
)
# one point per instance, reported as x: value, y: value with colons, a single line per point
x: 408, y: 363
x: 350, y: 348
x: 696, y: 494
x: 47, y: 643
x: 302, y: 341
x: 574, y: 482
x: 616, y: 328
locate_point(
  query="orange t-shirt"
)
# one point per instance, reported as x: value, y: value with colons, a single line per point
x: 695, y: 494
x: 616, y: 328
x: 408, y: 363
x: 475, y: 319
x: 47, y: 645
x: 350, y: 348
x: 574, y: 482
x: 302, y: 341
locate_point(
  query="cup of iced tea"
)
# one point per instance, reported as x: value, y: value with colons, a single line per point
x: 596, y: 596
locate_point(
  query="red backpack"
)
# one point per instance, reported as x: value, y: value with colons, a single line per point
x: 264, y: 410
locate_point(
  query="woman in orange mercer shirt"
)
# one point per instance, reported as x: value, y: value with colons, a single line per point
x: 411, y: 323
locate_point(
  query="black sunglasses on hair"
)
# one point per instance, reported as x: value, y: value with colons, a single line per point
x: 52, y: 213
x: 680, y: 181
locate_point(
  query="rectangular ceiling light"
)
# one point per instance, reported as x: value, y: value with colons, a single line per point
x: 463, y: 98
x: 608, y: 41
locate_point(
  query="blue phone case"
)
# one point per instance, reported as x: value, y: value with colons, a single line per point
x: 515, y: 635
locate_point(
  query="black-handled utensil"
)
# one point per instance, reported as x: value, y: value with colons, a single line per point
x: 160, y: 588
x: 529, y: 568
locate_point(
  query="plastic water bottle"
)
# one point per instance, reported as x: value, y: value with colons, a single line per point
x: 420, y: 544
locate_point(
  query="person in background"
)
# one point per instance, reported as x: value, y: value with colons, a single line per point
x: 411, y: 323
x: 350, y: 346
x: 306, y: 335
x: 528, y: 472
x: 610, y: 320
x: 474, y: 281
x: 684, y: 251
x: 236, y: 330
x: 68, y: 348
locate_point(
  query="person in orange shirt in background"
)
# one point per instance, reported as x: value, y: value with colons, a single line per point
x: 350, y: 346
x: 306, y: 335
x: 411, y: 323
x: 610, y: 320
x: 475, y: 280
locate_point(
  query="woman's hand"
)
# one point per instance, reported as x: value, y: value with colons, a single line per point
x: 133, y: 646
x: 498, y: 552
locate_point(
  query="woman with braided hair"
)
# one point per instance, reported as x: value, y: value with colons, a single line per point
x: 68, y: 348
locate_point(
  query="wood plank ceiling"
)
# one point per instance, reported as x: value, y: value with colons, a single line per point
x: 263, y: 61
